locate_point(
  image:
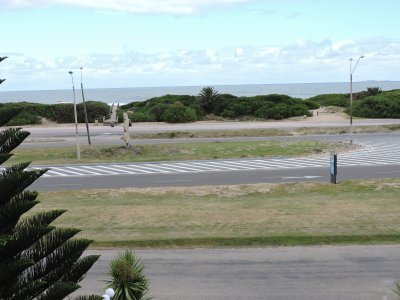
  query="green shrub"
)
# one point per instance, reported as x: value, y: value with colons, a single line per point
x: 60, y: 113
x: 178, y: 113
x: 158, y: 111
x: 383, y: 105
x: 266, y: 106
x: 311, y: 104
x: 95, y: 110
x: 371, y: 91
x: 142, y: 117
x: 24, y: 118
x: 341, y: 100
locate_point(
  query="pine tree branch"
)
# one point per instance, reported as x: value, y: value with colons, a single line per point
x: 11, y: 138
x: 14, y: 180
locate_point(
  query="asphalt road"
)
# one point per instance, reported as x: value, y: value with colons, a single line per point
x: 64, y: 135
x: 214, y: 178
x: 299, y: 273
x: 379, y: 158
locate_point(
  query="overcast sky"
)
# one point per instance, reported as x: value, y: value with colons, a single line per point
x: 136, y: 43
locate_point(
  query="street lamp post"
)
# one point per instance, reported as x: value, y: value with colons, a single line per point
x: 78, y: 151
x: 85, y: 111
x: 351, y: 95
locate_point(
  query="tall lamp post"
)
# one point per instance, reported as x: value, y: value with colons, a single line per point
x: 85, y: 111
x: 78, y: 150
x: 351, y: 95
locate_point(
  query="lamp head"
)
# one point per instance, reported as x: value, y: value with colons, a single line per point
x: 110, y: 292
x: 362, y: 56
x: 70, y: 72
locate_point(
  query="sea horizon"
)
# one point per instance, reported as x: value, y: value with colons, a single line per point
x: 125, y: 95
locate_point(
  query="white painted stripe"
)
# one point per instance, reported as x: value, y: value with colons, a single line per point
x: 65, y: 170
x: 126, y: 168
x: 179, y: 168
x: 117, y: 169
x: 146, y: 169
x: 100, y: 168
x: 199, y: 167
x: 220, y: 165
x: 56, y: 173
x: 209, y: 167
x: 80, y: 169
x: 287, y: 163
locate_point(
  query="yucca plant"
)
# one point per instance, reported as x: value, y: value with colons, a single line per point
x: 127, y: 277
x: 396, y: 289
x: 37, y: 260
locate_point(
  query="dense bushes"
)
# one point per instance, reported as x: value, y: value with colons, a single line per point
x: 178, y: 113
x: 383, y: 105
x: 180, y: 108
x: 184, y: 108
x: 273, y: 106
x: 60, y: 113
x: 341, y: 100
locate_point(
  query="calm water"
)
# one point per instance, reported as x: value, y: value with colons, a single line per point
x: 126, y: 95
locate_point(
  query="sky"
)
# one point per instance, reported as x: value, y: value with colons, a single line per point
x: 145, y: 43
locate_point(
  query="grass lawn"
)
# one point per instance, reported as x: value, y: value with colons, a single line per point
x: 264, y: 132
x: 363, y: 211
x: 179, y: 151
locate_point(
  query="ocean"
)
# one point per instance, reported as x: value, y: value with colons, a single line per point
x: 127, y: 95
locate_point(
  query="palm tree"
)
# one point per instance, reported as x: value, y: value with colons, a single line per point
x: 209, y: 98
x: 127, y: 278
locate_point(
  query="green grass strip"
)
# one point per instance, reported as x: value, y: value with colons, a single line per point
x: 254, y: 241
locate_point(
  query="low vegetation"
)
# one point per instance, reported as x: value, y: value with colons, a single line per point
x: 210, y: 105
x: 32, y: 113
x: 176, y: 151
x: 372, y: 103
x: 268, y: 132
x: 358, y: 211
x: 382, y: 105
x: 174, y: 108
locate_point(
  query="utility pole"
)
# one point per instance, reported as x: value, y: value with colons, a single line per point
x: 78, y: 150
x: 351, y: 95
x: 85, y: 111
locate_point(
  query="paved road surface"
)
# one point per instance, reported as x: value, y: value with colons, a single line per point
x: 64, y: 135
x: 292, y: 273
x: 378, y: 156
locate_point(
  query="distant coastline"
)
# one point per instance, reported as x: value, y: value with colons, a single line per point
x: 126, y: 95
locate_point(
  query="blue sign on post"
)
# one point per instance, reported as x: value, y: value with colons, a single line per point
x: 333, y: 167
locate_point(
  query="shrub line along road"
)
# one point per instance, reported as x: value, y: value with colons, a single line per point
x: 378, y: 156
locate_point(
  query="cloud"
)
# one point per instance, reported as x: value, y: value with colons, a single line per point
x: 134, y: 6
x: 301, y: 61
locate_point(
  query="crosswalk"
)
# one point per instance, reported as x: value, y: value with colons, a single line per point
x: 375, y: 153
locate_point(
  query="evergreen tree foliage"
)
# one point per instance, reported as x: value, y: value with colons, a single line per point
x: 37, y: 260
